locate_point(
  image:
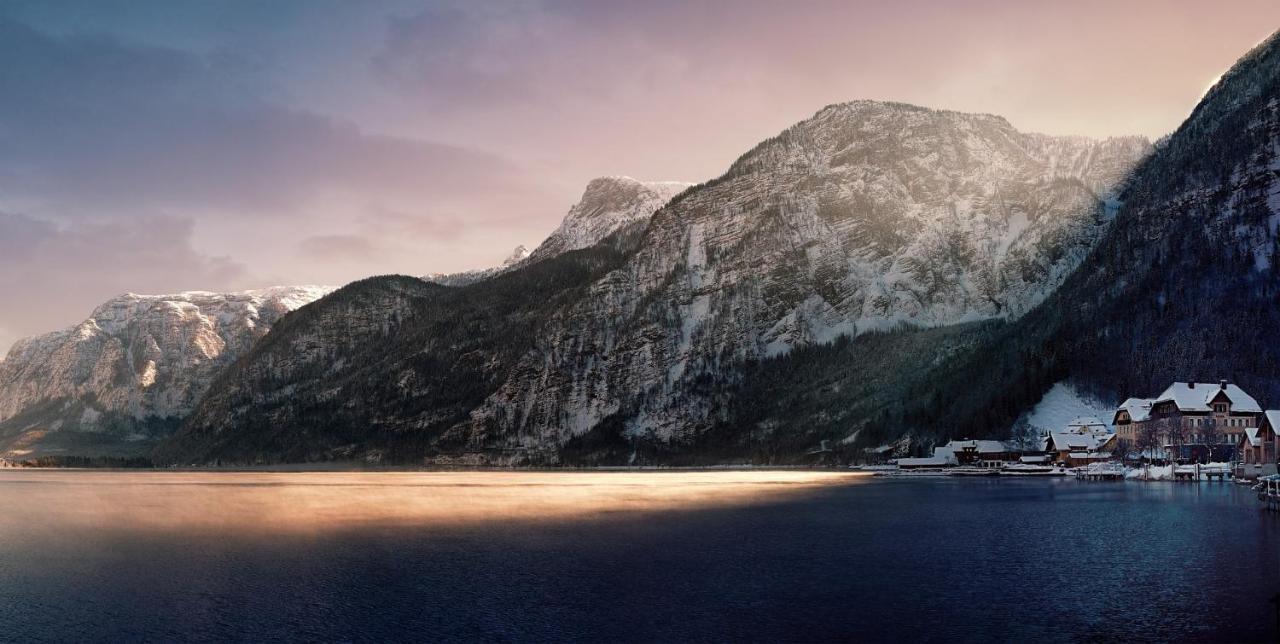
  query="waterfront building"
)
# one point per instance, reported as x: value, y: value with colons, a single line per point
x: 1190, y: 421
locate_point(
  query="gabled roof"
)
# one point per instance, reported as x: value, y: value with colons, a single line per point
x: 1139, y: 409
x: 1251, y: 435
x: 980, y: 446
x: 1073, y: 442
x: 1273, y: 419
x: 1197, y: 397
x: 1087, y: 424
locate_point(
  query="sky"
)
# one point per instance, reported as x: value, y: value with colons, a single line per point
x: 160, y: 146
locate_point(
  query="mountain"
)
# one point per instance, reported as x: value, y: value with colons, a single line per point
x: 382, y: 368
x: 1182, y: 287
x: 607, y: 205
x: 470, y: 277
x: 132, y: 370
x: 866, y: 217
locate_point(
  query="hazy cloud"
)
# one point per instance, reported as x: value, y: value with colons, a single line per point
x: 51, y: 276
x: 338, y: 247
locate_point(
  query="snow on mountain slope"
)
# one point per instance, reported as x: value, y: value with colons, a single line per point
x: 137, y: 359
x: 863, y: 217
x: 1059, y: 406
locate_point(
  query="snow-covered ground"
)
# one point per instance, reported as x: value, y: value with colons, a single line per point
x: 1060, y: 405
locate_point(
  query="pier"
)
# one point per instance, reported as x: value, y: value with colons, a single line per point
x: 1100, y: 472
x: 1268, y: 488
x: 1194, y: 472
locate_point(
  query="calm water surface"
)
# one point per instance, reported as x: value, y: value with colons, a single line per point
x: 117, y: 556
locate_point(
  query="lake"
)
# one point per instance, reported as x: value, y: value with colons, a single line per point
x: 628, y: 556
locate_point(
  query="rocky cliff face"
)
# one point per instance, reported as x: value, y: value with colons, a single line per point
x: 866, y: 216
x: 138, y: 364
x: 863, y: 217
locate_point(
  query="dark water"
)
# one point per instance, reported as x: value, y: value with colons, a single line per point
x: 840, y: 559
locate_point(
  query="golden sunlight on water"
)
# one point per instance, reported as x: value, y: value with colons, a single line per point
x: 317, y: 502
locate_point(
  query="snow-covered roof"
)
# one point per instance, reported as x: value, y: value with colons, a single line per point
x: 1273, y: 419
x: 1086, y: 421
x: 941, y: 456
x: 1139, y: 409
x: 980, y: 446
x: 1197, y: 396
x: 1251, y: 434
x: 1071, y: 441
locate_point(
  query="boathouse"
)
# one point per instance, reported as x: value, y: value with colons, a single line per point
x: 1258, y: 448
x: 1075, y: 449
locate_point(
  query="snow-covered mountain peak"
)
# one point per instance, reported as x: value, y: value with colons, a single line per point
x: 136, y: 359
x: 518, y: 255
x: 607, y: 204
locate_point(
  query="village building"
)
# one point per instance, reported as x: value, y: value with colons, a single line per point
x: 1130, y: 416
x: 1190, y: 421
x: 942, y: 457
x: 1074, y: 449
x: 1258, y: 447
x: 982, y: 453
x: 1091, y: 425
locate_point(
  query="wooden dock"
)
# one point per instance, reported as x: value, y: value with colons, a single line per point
x: 1268, y: 488
x: 1100, y: 472
x: 1194, y: 472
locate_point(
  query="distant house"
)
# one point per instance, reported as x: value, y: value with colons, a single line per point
x: 1088, y: 425
x: 1258, y: 448
x: 1191, y: 421
x: 982, y: 453
x: 1076, y: 449
x: 1130, y: 416
x: 942, y: 457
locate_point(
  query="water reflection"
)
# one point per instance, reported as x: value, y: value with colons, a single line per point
x: 40, y: 501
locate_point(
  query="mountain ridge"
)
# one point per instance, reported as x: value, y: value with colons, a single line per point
x: 837, y: 225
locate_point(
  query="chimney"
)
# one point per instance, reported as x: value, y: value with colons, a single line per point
x: 1191, y: 385
x: 1222, y: 384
